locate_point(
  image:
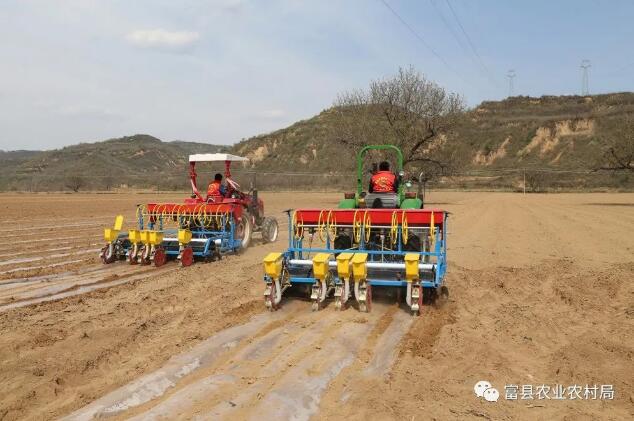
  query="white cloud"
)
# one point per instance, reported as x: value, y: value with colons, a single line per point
x: 160, y: 38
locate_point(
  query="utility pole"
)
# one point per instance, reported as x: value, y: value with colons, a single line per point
x: 585, y: 65
x: 510, y: 74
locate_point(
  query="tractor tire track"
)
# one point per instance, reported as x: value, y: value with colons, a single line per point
x: 78, y: 287
x: 53, y: 279
x: 46, y: 285
x: 27, y: 260
x: 54, y: 226
x: 25, y: 244
x: 277, y: 366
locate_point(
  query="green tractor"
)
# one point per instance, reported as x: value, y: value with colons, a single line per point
x: 402, y: 198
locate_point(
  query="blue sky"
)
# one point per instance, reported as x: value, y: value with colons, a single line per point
x: 218, y: 71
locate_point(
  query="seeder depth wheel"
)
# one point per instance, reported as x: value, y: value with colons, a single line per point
x: 159, y: 257
x: 420, y: 301
x: 131, y: 257
x: 144, y: 255
x: 338, y: 297
x: 269, y: 299
x: 107, y: 254
x: 319, y: 291
x: 187, y: 257
x: 365, y: 305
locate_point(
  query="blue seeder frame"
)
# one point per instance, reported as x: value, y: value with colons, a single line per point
x: 296, y: 250
x: 216, y: 241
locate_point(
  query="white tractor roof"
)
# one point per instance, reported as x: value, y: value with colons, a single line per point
x: 215, y: 157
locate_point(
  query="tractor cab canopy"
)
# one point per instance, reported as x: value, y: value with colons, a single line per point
x: 213, y: 157
x: 387, y: 200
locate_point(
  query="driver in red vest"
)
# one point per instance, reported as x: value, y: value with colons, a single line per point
x: 384, y: 180
x: 215, y: 188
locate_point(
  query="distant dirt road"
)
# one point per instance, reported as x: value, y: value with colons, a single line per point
x: 541, y: 293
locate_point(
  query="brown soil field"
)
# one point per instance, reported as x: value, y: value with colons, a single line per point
x: 541, y: 293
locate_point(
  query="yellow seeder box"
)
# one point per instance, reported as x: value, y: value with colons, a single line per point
x: 273, y: 265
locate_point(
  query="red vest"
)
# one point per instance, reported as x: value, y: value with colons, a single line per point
x: 214, y: 189
x: 383, y: 182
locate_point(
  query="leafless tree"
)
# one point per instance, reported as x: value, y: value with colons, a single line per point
x: 74, y: 182
x: 618, y: 153
x: 405, y: 110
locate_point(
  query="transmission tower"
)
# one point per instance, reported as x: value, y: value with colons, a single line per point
x: 510, y: 75
x: 585, y: 65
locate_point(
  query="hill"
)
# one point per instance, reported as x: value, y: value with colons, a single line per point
x: 556, y: 140
x: 131, y: 160
x: 10, y: 160
x: 562, y: 132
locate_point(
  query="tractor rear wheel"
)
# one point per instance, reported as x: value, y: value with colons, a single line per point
x: 270, y: 230
x: 244, y: 228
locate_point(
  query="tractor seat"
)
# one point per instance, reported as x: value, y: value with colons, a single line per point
x: 382, y: 200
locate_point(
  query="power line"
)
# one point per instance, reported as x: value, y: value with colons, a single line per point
x: 421, y: 39
x: 461, y: 43
x: 448, y: 26
x: 471, y: 44
x: 454, y: 34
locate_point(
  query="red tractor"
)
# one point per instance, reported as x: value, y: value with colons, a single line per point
x: 253, y: 219
x: 204, y: 226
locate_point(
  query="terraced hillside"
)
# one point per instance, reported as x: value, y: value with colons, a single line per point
x: 559, y: 132
x: 563, y: 134
x: 132, y: 160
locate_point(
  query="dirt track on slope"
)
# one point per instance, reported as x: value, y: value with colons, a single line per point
x: 541, y: 293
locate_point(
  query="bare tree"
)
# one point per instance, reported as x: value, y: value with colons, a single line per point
x: 406, y: 110
x: 74, y: 182
x: 618, y: 153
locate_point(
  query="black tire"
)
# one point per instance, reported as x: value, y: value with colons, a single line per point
x: 244, y: 229
x: 413, y: 243
x: 343, y: 242
x: 270, y: 230
x: 377, y: 203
